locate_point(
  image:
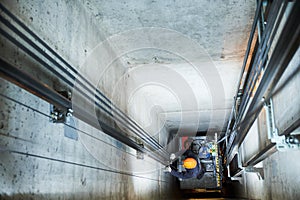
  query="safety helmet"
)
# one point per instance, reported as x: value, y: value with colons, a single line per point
x: 189, y: 163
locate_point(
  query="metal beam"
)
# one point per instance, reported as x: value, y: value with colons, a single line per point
x: 267, y: 151
x: 286, y: 47
x: 27, y: 82
x: 87, y: 89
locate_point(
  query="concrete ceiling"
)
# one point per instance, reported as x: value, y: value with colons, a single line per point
x: 183, y: 58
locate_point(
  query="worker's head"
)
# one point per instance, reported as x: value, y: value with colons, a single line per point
x: 189, y: 163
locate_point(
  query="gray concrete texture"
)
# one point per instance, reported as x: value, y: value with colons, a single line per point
x: 38, y: 161
x: 76, y: 30
x: 163, y: 77
x: 280, y: 178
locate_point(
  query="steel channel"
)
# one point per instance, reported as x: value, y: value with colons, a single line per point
x: 261, y: 50
x: 75, y: 71
x: 264, y: 52
x: 289, y: 41
x: 256, y: 17
x: 25, y: 81
x: 262, y: 56
x: 242, y: 106
x: 249, y: 44
x: 268, y: 118
x: 30, y: 84
x: 266, y: 152
x: 144, y: 137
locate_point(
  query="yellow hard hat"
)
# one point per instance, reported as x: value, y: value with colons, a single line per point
x: 189, y: 163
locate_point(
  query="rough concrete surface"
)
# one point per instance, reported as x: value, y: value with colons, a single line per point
x: 38, y: 161
x: 170, y: 65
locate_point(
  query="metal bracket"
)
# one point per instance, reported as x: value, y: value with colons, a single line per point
x: 140, y: 155
x: 59, y: 115
x: 283, y: 143
x: 258, y: 171
x: 293, y: 142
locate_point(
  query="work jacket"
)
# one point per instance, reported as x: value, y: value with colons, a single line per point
x: 189, y: 173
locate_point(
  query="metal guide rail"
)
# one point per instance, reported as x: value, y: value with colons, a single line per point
x: 16, y: 32
x: 263, y: 66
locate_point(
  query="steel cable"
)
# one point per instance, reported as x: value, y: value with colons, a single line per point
x: 133, y: 126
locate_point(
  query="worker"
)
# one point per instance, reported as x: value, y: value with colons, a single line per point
x: 192, y: 165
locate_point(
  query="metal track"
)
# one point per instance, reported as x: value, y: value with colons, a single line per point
x: 25, y: 81
x: 59, y: 68
x: 285, y: 48
x: 30, y: 84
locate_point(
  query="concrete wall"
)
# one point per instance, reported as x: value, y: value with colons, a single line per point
x: 287, y: 98
x: 37, y: 159
x: 167, y: 38
x: 68, y: 28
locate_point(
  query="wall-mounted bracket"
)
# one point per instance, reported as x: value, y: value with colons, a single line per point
x: 59, y: 115
x: 283, y: 143
x: 139, y: 154
x: 258, y: 170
